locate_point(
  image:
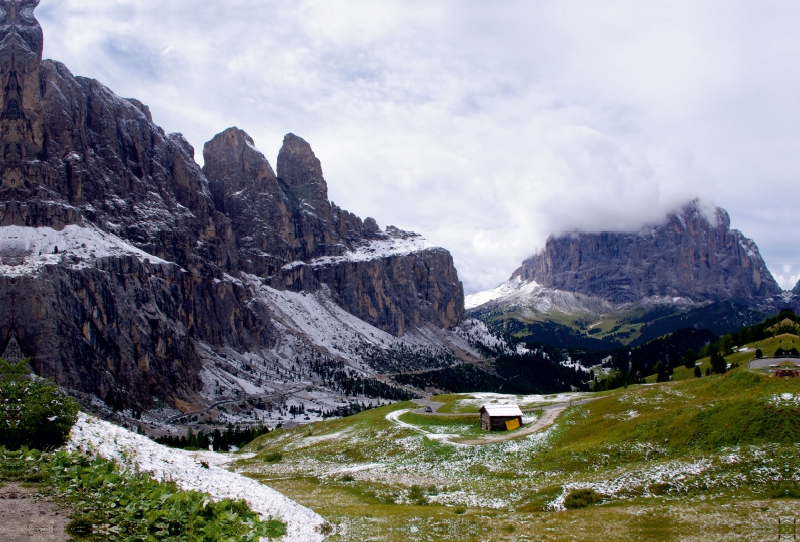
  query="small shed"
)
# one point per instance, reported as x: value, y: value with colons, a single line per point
x: 501, y: 417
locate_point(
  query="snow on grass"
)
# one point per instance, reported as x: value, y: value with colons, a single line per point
x: 24, y: 250
x: 624, y: 416
x: 675, y: 473
x: 185, y: 469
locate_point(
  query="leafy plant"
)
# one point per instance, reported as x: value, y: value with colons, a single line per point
x: 33, y: 411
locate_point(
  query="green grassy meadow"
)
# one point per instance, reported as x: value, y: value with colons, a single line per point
x: 710, y: 458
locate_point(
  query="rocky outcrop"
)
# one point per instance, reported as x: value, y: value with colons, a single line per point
x: 288, y: 232
x: 126, y: 271
x: 691, y: 256
x: 276, y: 220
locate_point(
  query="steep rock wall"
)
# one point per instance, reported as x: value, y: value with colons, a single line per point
x: 119, y: 259
x: 690, y: 256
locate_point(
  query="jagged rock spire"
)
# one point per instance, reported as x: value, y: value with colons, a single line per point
x: 17, y: 19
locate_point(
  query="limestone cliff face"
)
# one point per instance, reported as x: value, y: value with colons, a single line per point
x: 690, y: 256
x: 120, y: 257
x: 288, y: 232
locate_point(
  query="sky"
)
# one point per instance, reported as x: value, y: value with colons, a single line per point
x: 484, y: 126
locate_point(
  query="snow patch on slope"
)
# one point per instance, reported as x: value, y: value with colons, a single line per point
x: 533, y: 297
x: 401, y: 245
x: 310, y: 325
x: 317, y: 317
x: 501, y: 292
x: 477, y: 334
x: 136, y: 451
x: 25, y: 250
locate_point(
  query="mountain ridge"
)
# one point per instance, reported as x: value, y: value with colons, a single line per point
x: 136, y: 277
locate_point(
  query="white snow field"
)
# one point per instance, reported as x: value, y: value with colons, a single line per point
x: 25, y: 250
x: 128, y: 449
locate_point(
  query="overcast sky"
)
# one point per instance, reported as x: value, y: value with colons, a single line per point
x: 484, y: 126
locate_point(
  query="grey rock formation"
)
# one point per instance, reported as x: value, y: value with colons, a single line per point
x: 126, y: 270
x: 690, y: 256
x: 288, y: 232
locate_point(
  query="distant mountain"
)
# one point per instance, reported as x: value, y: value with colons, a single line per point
x: 691, y: 256
x: 608, y: 288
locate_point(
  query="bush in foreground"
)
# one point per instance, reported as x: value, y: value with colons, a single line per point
x: 33, y: 411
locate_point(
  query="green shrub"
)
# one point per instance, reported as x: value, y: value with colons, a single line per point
x: 273, y: 457
x: 581, y: 498
x: 33, y: 411
x: 417, y: 496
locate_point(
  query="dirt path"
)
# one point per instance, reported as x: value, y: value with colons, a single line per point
x: 25, y: 516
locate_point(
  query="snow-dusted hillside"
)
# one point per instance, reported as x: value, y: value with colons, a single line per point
x: 530, y: 296
x: 26, y: 250
x: 137, y: 452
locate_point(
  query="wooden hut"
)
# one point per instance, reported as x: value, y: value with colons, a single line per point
x: 500, y: 417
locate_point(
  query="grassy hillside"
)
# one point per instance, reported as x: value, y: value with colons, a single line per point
x: 767, y: 347
x: 696, y: 458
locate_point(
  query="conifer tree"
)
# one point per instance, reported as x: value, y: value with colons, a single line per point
x: 690, y: 359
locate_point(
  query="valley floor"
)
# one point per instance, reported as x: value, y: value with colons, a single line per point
x: 713, y: 458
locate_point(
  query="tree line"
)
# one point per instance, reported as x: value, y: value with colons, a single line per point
x: 217, y: 440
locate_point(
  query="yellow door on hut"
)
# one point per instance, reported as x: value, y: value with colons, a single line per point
x: 513, y: 424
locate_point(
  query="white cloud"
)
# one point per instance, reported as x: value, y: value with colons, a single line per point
x: 483, y: 125
x: 786, y: 279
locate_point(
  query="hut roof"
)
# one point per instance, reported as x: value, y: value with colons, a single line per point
x: 502, y: 410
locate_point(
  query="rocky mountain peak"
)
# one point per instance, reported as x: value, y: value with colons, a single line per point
x: 233, y: 163
x: 690, y: 255
x: 301, y: 172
